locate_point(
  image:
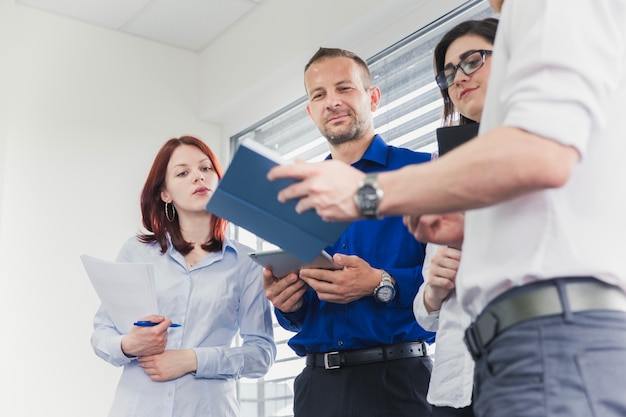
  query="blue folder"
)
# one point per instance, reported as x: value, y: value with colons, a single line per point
x: 248, y: 199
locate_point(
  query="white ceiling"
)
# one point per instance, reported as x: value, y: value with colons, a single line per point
x: 187, y: 24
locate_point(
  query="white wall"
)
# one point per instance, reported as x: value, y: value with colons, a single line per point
x: 6, y: 55
x: 83, y: 110
x: 88, y: 111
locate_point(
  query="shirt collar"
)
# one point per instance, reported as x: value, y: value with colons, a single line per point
x: 230, y: 245
x: 375, y: 153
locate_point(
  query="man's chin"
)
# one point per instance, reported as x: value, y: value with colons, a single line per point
x: 337, y: 138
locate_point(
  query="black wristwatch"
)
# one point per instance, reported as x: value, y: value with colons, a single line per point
x: 368, y: 196
x: 385, y: 291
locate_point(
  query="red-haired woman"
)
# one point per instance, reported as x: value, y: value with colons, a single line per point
x: 205, y: 282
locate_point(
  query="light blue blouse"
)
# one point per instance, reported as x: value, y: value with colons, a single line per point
x: 221, y: 295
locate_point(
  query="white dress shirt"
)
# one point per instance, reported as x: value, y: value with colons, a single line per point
x: 452, y: 379
x: 213, y: 301
x: 565, y: 82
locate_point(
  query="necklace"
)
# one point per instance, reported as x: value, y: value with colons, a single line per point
x: 193, y: 258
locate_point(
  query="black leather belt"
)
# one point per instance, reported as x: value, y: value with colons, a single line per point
x: 338, y: 359
x: 540, y: 300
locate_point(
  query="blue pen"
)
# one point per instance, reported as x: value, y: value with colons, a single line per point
x: 150, y: 324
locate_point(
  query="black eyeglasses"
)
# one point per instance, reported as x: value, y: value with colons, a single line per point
x: 471, y: 61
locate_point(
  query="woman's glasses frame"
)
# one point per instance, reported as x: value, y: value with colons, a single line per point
x: 471, y: 61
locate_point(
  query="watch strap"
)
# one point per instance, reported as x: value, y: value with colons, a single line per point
x: 386, y: 283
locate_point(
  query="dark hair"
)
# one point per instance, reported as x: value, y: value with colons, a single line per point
x: 323, y: 53
x: 153, y: 210
x: 486, y: 29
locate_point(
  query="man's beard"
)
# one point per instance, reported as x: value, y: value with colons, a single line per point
x: 343, y: 134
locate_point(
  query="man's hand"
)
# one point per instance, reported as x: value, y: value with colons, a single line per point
x: 328, y: 187
x: 170, y: 364
x: 356, y: 280
x: 284, y: 293
x: 444, y: 229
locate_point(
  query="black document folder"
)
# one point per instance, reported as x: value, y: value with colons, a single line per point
x: 450, y: 137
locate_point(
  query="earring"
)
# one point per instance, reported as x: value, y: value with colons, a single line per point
x: 167, y: 215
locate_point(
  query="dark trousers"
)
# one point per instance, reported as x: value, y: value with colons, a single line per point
x: 395, y: 388
x: 453, y: 412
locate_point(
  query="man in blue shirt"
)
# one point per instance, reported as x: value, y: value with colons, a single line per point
x: 366, y: 354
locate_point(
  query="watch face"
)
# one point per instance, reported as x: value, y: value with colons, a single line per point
x: 368, y: 198
x: 385, y: 293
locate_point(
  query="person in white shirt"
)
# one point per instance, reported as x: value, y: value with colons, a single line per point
x: 543, y: 273
x: 462, y: 61
x: 205, y: 282
x: 452, y: 381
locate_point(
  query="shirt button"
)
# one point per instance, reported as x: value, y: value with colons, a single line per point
x: 340, y: 343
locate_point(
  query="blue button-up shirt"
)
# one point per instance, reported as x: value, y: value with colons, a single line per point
x: 323, y: 326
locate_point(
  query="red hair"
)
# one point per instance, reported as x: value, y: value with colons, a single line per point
x: 153, y: 210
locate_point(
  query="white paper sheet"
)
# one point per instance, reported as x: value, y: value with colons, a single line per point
x: 127, y: 290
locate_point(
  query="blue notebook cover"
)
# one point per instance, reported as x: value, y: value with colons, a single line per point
x: 248, y: 199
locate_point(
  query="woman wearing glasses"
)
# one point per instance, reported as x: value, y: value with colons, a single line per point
x: 462, y: 65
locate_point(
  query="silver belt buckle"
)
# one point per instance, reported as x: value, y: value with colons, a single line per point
x: 327, y: 364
